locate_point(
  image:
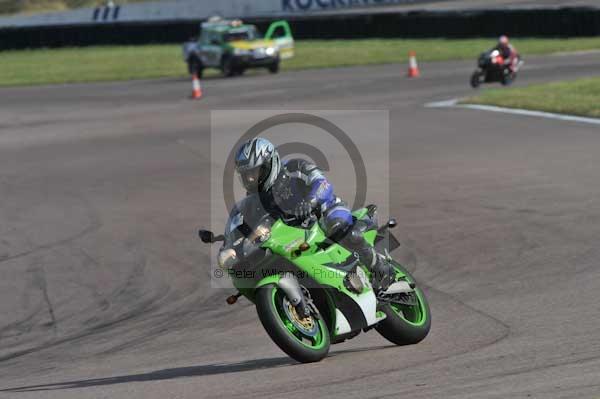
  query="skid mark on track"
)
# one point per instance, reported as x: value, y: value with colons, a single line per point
x: 91, y: 262
x: 94, y: 224
x: 91, y: 228
x: 486, y: 381
x: 129, y: 292
x: 19, y: 327
x: 504, y: 332
x: 143, y: 308
x: 39, y: 281
x: 160, y: 375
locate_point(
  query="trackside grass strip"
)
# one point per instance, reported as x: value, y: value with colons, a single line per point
x: 578, y: 97
x: 111, y: 63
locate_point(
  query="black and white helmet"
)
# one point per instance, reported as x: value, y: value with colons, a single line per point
x: 257, y: 163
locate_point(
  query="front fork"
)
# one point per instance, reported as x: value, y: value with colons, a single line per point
x: 289, y: 284
x: 291, y: 287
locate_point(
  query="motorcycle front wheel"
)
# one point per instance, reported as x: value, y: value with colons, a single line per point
x: 303, y: 339
x: 475, y: 79
x: 409, y: 322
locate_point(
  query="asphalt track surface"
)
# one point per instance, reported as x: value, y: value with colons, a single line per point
x: 104, y: 288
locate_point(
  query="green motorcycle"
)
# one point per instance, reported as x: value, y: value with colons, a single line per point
x: 311, y: 292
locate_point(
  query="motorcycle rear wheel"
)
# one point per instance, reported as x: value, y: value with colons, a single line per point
x: 287, y: 333
x: 406, y: 324
x: 507, y: 78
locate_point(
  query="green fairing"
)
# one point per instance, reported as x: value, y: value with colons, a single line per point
x: 360, y: 213
x: 370, y: 236
x: 250, y: 292
x: 274, y: 279
x: 285, y: 241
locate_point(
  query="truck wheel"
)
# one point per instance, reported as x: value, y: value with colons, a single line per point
x: 274, y: 67
x: 227, y: 67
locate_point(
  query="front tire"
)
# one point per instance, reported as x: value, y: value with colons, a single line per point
x: 271, y: 304
x: 475, y: 79
x: 227, y: 67
x: 406, y: 324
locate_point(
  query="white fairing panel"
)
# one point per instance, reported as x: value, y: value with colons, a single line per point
x: 341, y: 323
x: 368, y: 305
x: 367, y: 300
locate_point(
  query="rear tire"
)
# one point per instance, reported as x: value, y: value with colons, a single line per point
x: 269, y: 301
x: 507, y: 77
x: 406, y: 325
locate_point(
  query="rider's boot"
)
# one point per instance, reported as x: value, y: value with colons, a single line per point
x: 382, y: 273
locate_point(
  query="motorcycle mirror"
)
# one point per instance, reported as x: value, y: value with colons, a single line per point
x: 206, y: 236
x: 392, y: 223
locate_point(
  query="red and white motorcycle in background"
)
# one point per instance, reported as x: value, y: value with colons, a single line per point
x: 492, y: 67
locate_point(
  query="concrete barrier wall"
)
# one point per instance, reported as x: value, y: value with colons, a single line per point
x: 198, y: 9
x: 566, y: 22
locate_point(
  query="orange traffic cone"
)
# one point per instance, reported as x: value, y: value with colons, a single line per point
x: 196, y: 88
x: 413, y: 68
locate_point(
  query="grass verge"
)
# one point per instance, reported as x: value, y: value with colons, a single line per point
x: 68, y: 65
x: 578, y: 97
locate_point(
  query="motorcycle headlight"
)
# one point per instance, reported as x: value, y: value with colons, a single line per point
x: 270, y: 51
x: 227, y: 258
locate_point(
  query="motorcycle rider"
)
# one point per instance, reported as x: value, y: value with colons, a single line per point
x: 508, y: 52
x: 299, y: 188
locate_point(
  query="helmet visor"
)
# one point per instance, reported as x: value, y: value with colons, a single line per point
x: 254, y: 178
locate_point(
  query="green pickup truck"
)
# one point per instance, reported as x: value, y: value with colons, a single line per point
x: 233, y: 47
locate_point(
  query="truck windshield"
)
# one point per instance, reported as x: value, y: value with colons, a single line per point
x: 236, y: 35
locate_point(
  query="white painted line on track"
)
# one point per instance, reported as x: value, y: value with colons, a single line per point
x: 443, y: 104
x: 453, y: 103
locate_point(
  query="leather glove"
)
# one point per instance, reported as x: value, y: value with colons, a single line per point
x: 303, y: 209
